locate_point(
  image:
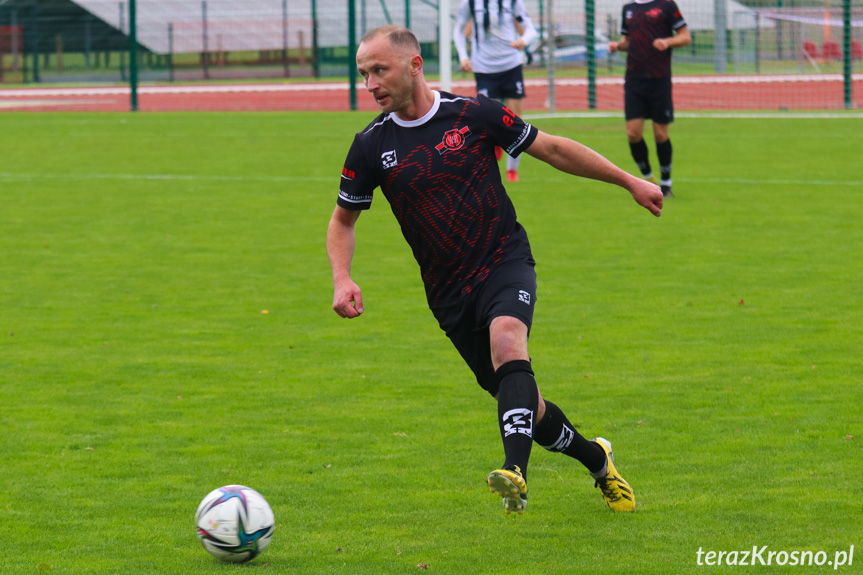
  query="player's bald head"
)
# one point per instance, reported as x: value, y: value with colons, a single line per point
x: 401, y: 39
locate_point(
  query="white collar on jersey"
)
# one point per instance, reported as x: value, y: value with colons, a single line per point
x: 643, y: 1
x: 419, y: 121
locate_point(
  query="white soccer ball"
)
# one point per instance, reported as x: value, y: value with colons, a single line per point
x: 235, y: 523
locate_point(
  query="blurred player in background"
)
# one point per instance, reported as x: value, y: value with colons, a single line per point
x: 499, y: 31
x: 650, y: 29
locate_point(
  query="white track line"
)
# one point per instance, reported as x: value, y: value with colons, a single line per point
x: 338, y: 86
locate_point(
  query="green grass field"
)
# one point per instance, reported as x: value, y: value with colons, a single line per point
x: 165, y: 328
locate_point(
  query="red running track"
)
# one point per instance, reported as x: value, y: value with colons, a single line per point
x: 691, y: 93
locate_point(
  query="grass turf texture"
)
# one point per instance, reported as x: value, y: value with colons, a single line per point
x: 717, y: 347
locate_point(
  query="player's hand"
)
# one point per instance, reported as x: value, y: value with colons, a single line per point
x: 518, y: 44
x: 647, y: 194
x: 347, y: 299
x: 661, y: 44
x: 612, y: 47
x: 465, y: 65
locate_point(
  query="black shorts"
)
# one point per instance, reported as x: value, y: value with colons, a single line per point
x: 509, y: 84
x: 648, y: 98
x: 509, y: 291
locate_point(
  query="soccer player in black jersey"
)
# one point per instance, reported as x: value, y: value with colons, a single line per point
x: 651, y: 29
x: 432, y: 155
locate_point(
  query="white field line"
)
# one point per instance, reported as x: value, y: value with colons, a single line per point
x: 730, y: 114
x: 773, y: 181
x: 13, y: 176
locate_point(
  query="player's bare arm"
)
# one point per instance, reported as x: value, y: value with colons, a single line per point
x: 621, y: 46
x: 577, y: 159
x: 518, y: 43
x: 465, y: 28
x: 682, y: 38
x: 465, y: 64
x: 341, y: 239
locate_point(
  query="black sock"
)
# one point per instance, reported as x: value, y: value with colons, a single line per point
x: 639, y: 154
x: 663, y: 150
x: 517, y: 401
x: 555, y: 433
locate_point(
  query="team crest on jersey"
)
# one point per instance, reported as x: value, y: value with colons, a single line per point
x: 453, y: 140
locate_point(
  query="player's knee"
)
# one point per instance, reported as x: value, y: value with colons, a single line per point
x: 504, y: 351
x: 660, y: 133
x: 509, y: 342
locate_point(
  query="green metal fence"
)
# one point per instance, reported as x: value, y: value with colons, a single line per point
x: 44, y: 42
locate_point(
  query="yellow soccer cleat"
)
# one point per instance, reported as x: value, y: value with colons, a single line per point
x: 652, y: 179
x: 615, y: 490
x: 511, y: 486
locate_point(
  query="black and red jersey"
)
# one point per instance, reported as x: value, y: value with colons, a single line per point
x: 441, y: 178
x: 642, y: 23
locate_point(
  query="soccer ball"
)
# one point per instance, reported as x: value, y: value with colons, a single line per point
x: 235, y: 523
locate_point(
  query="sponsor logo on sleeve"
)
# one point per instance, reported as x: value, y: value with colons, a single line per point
x: 353, y: 198
x: 525, y: 132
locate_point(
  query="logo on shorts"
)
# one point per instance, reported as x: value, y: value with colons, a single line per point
x: 524, y: 296
x: 453, y: 140
x: 518, y: 421
x: 389, y: 159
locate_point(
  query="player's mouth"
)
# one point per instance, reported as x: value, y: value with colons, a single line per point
x: 380, y: 95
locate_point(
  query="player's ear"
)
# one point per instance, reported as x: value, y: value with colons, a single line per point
x: 416, y: 64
